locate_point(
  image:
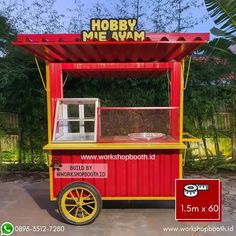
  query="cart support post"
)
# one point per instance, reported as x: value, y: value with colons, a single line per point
x: 181, y: 118
x: 53, y: 83
x: 176, y: 99
x: 56, y: 89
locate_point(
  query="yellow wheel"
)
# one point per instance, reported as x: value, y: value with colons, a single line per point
x: 79, y: 203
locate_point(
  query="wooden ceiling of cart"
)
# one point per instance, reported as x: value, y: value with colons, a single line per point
x: 68, y: 48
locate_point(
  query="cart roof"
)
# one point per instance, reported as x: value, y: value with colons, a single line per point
x: 161, y: 47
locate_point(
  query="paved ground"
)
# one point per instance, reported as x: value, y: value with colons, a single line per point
x: 26, y: 202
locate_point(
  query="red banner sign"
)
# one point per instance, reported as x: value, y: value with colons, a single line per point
x: 198, y: 200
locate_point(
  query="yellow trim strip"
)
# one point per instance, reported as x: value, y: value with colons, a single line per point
x: 181, y: 117
x: 181, y: 165
x: 138, y: 198
x: 50, y: 177
x: 48, y: 104
x: 132, y: 198
x: 40, y: 73
x: 112, y: 146
x: 190, y: 138
x: 184, y: 157
x: 52, y: 198
x: 181, y: 102
x: 187, y: 75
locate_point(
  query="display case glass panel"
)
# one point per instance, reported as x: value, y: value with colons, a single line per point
x: 76, y: 120
x: 138, y: 124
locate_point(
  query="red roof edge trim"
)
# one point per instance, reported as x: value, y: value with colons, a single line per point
x: 77, y: 37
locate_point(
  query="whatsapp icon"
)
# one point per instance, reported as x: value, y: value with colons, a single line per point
x: 7, y: 228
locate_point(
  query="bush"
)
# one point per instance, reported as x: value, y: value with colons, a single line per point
x: 24, y: 167
x: 210, y: 166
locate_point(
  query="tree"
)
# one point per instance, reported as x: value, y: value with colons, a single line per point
x: 123, y: 9
x: 99, y: 11
x: 6, y: 36
x: 180, y: 14
x: 21, y: 92
x: 36, y: 16
x: 224, y: 14
x: 138, y: 9
x: 159, y: 16
x: 209, y: 91
x: 77, y: 17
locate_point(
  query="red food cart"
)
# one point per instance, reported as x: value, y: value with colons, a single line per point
x: 112, y: 153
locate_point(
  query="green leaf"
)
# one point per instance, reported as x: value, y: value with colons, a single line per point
x: 218, y: 47
x: 223, y: 13
x: 222, y: 33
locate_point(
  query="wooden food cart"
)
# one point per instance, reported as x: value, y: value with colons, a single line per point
x: 101, y: 153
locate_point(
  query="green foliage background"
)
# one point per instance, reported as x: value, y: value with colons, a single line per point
x: 211, y: 85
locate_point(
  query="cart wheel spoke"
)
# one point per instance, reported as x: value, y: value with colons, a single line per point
x: 88, y: 203
x: 67, y: 204
x: 90, y: 207
x: 81, y: 193
x: 82, y: 212
x: 76, y: 212
x: 72, y: 209
x: 73, y: 196
x: 88, y: 196
x: 85, y: 211
x: 77, y: 193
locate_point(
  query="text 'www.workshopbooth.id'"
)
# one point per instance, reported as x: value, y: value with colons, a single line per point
x: 122, y: 157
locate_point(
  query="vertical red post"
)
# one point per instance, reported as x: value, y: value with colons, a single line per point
x: 56, y: 88
x: 175, y: 99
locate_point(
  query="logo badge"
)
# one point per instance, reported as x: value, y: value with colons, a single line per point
x: 7, y: 228
x: 198, y: 200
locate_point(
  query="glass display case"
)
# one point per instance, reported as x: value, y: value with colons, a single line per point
x: 83, y: 120
x: 138, y: 124
x: 76, y: 120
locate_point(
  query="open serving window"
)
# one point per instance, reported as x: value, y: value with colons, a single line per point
x: 76, y: 120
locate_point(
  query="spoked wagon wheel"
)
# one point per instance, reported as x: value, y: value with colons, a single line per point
x: 79, y: 203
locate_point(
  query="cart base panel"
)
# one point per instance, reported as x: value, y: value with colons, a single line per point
x: 130, y: 174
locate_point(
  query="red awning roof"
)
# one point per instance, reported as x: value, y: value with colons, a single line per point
x: 69, y: 47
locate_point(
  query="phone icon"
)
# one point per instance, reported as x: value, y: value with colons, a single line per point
x: 7, y: 228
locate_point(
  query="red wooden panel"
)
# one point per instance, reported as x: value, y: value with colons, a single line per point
x: 111, y: 181
x: 119, y: 66
x: 67, y: 159
x: 132, y: 178
x: 115, y: 70
x: 114, y: 74
x: 121, y: 185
